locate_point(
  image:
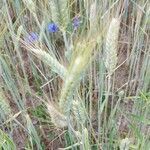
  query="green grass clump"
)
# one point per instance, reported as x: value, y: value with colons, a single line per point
x: 6, y: 142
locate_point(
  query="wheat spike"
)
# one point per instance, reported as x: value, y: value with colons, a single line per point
x: 93, y: 14
x: 111, y: 45
x: 58, y: 119
x: 75, y: 72
x: 85, y: 139
x: 52, y: 62
x: 59, y: 12
x: 79, y: 111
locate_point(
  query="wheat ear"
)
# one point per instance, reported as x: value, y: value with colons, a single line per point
x: 49, y: 60
x: 111, y: 45
x: 79, y: 111
x: 59, y: 12
x: 75, y: 72
x: 57, y: 118
x: 85, y: 139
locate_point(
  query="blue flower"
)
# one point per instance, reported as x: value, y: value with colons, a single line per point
x: 32, y: 37
x: 76, y: 22
x: 52, y: 27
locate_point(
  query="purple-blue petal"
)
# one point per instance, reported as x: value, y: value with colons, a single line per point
x: 76, y: 22
x: 52, y: 27
x: 32, y: 37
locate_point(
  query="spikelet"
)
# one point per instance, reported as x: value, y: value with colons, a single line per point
x: 59, y: 12
x: 79, y: 112
x: 75, y: 72
x: 58, y: 119
x: 30, y: 5
x: 111, y: 45
x: 49, y: 60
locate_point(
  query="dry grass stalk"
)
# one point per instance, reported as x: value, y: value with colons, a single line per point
x: 93, y: 14
x: 30, y: 5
